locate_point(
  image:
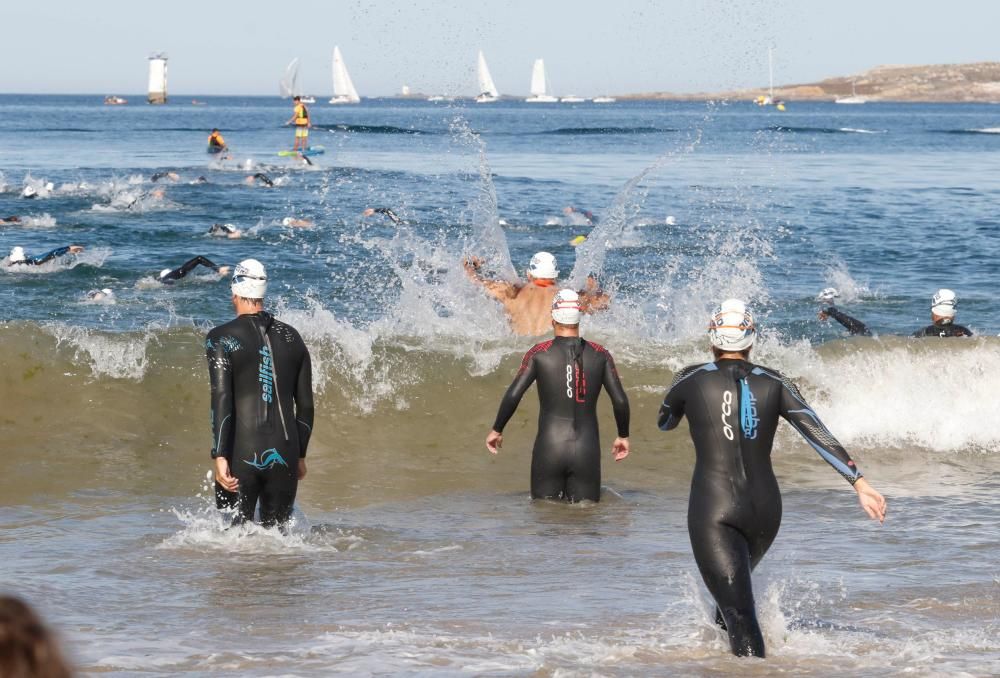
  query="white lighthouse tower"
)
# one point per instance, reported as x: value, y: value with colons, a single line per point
x: 158, y: 79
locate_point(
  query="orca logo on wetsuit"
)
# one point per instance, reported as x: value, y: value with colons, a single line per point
x: 727, y: 409
x: 569, y: 381
x: 265, y: 375
x: 268, y: 458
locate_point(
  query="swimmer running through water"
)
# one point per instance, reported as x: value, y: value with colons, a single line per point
x: 168, y: 276
x: 17, y: 257
x: 527, y: 304
x: 262, y: 404
x: 734, y: 508
x: 570, y: 372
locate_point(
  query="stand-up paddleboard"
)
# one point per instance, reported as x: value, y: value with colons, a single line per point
x: 311, y: 150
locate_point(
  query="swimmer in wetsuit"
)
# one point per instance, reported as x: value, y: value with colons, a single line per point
x: 372, y: 211
x: 169, y: 276
x: 262, y: 405
x: 224, y: 231
x: 17, y: 257
x: 566, y: 458
x: 943, y: 310
x: 734, y: 508
x: 262, y: 178
x: 527, y: 304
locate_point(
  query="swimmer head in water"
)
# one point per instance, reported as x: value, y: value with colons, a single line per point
x: 543, y: 267
x: 165, y: 272
x: 828, y: 295
x: 732, y: 328
x: 29, y: 192
x: 16, y: 255
x: 104, y: 294
x: 249, y: 279
x: 566, y: 309
x: 943, y: 306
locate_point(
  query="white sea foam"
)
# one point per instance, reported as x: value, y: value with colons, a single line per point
x: 107, y: 355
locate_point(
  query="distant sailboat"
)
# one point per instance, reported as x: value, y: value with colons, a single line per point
x: 853, y: 99
x: 539, y: 85
x: 572, y: 99
x: 488, y: 92
x: 289, y: 84
x: 604, y: 100
x: 343, y: 88
x: 769, y: 100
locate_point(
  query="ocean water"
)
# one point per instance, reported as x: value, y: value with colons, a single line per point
x: 414, y: 551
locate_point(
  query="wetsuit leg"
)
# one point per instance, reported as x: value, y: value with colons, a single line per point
x: 250, y: 491
x: 724, y: 559
x: 277, y: 496
x: 548, y: 474
x: 224, y: 499
x: 584, y: 477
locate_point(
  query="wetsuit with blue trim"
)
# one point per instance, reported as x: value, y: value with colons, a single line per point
x: 262, y: 412
x: 570, y: 372
x: 856, y: 327
x: 734, y: 509
x: 42, y: 258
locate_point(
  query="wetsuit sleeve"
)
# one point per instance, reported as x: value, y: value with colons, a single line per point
x: 525, y: 376
x: 853, y: 325
x: 619, y: 400
x: 221, y: 376
x: 802, y: 418
x: 672, y: 407
x: 49, y: 256
x: 304, y: 410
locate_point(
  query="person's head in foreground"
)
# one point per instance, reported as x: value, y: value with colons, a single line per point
x: 27, y: 648
x: 732, y: 329
x: 249, y: 286
x: 566, y: 312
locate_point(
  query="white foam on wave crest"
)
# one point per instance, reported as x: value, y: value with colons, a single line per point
x: 118, y: 356
x: 44, y: 220
x: 857, y: 130
x: 850, y: 290
x: 933, y: 394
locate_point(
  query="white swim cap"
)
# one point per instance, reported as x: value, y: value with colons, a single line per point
x: 287, y: 221
x: 732, y: 327
x: 944, y: 303
x: 164, y: 272
x: 828, y: 294
x: 566, y: 308
x: 107, y: 292
x: 16, y: 255
x: 543, y: 265
x: 249, y: 279
x: 29, y: 192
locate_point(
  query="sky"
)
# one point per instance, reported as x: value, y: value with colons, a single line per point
x: 590, y: 47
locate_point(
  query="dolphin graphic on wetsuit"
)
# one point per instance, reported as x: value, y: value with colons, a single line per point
x: 734, y: 510
x: 262, y: 412
x: 566, y: 459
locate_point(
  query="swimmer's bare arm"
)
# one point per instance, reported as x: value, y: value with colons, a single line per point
x: 221, y: 378
x: 592, y: 297
x: 619, y: 402
x: 304, y: 409
x: 498, y: 289
x: 804, y: 420
x: 511, y: 399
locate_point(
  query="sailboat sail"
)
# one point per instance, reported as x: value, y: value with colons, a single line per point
x: 538, y: 78
x: 289, y: 83
x: 343, y: 88
x: 486, y: 84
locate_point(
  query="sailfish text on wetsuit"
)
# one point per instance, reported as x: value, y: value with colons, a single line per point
x: 265, y: 375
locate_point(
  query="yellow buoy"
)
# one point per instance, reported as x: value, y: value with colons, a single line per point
x: 578, y: 240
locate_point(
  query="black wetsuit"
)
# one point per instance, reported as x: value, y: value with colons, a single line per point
x: 566, y: 459
x: 943, y: 330
x: 853, y: 325
x: 266, y: 180
x: 186, y: 268
x: 389, y: 213
x: 42, y: 258
x: 262, y: 412
x: 221, y: 230
x: 735, y: 506
x: 856, y: 327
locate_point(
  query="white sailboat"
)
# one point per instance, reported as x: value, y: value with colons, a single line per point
x: 289, y: 84
x: 604, y: 100
x: 769, y: 100
x: 488, y: 92
x: 572, y: 99
x: 343, y: 88
x: 539, y: 85
x: 853, y: 99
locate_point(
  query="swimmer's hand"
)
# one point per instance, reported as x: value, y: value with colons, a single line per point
x: 76, y: 249
x: 824, y: 314
x: 473, y: 263
x: 368, y: 212
x: 494, y: 441
x: 223, y: 477
x: 224, y: 270
x: 302, y: 468
x: 620, y: 448
x: 871, y: 501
